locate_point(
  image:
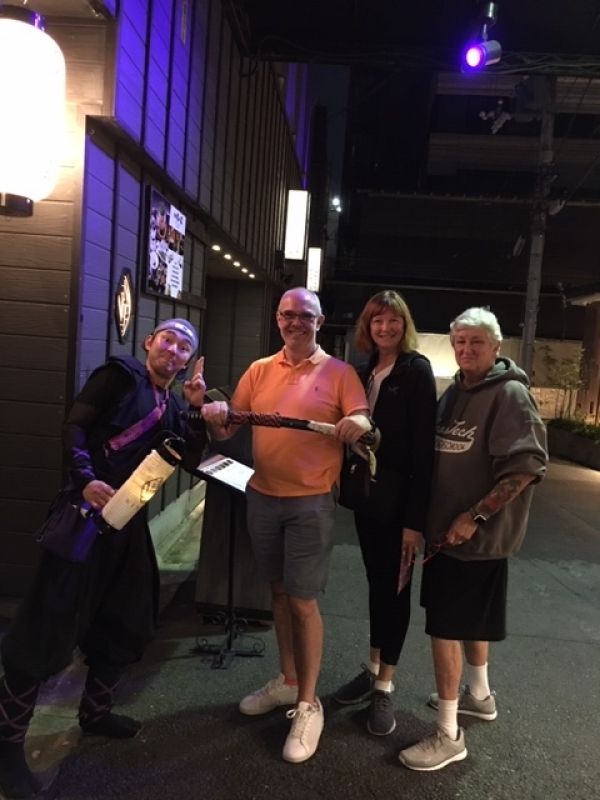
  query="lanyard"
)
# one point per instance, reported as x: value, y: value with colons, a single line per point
x: 140, y: 427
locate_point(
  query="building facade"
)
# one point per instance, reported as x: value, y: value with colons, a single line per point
x: 163, y: 111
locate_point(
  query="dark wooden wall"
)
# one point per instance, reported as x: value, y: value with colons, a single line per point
x: 235, y: 333
x: 213, y: 121
x: 159, y: 95
x: 36, y: 317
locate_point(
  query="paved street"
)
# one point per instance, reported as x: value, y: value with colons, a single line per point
x: 545, y: 744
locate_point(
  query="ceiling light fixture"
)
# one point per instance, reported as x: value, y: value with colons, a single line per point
x: 313, y: 269
x: 296, y: 224
x: 483, y: 51
x: 216, y: 248
x: 227, y: 256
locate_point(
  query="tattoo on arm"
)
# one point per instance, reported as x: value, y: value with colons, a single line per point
x: 503, y: 492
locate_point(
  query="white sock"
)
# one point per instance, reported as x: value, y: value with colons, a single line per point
x: 373, y: 667
x: 384, y: 686
x: 476, y: 678
x: 447, y: 718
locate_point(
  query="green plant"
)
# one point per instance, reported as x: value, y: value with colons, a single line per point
x: 577, y: 426
x: 565, y: 375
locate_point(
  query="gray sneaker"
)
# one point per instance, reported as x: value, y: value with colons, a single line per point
x: 469, y: 705
x: 434, y: 752
x: 381, y: 714
x: 358, y: 689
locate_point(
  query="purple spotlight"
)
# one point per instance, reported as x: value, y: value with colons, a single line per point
x: 482, y: 54
x: 475, y: 57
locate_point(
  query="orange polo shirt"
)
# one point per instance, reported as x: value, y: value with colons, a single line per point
x: 293, y: 463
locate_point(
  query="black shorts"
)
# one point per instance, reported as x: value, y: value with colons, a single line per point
x: 465, y: 600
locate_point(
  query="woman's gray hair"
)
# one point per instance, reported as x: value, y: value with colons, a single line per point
x: 477, y: 318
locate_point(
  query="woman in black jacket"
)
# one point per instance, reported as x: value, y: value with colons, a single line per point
x: 389, y: 522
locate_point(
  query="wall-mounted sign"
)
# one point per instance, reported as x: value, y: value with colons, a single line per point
x: 124, y: 299
x: 313, y: 269
x: 295, y: 225
x: 166, y: 237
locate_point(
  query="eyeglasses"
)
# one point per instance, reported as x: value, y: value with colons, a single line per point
x: 290, y: 316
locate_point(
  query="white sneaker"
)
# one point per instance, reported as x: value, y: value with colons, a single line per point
x: 274, y: 694
x: 304, y: 735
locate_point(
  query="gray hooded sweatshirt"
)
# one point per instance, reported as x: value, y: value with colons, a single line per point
x: 483, y: 434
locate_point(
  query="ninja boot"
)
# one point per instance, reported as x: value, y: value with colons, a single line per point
x: 17, y: 701
x: 95, y: 715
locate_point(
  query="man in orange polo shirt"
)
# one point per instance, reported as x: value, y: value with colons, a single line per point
x: 291, y: 500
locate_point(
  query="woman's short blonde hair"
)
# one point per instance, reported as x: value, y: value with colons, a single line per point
x: 380, y: 302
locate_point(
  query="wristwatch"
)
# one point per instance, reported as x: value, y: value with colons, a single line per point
x: 477, y: 516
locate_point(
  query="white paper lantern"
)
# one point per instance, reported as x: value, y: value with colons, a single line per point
x: 32, y: 99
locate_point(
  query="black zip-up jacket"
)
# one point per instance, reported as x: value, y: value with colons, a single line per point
x: 405, y: 414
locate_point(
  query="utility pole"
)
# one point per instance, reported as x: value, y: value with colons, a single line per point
x: 539, y: 216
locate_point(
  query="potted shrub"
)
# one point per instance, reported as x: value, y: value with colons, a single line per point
x: 575, y: 440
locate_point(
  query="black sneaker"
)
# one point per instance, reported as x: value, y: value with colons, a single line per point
x: 381, y: 714
x: 114, y: 726
x: 358, y: 689
x: 16, y: 780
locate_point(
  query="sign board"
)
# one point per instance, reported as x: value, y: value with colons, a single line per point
x: 226, y: 470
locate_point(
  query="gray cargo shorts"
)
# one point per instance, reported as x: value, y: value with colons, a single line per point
x: 292, y: 539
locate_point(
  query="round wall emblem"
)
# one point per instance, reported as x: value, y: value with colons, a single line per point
x: 124, y: 299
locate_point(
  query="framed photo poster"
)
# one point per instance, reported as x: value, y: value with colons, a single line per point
x: 166, y: 236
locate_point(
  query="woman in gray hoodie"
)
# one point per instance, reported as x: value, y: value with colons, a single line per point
x: 490, y: 450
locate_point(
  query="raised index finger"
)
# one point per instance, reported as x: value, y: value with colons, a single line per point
x: 199, y: 367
